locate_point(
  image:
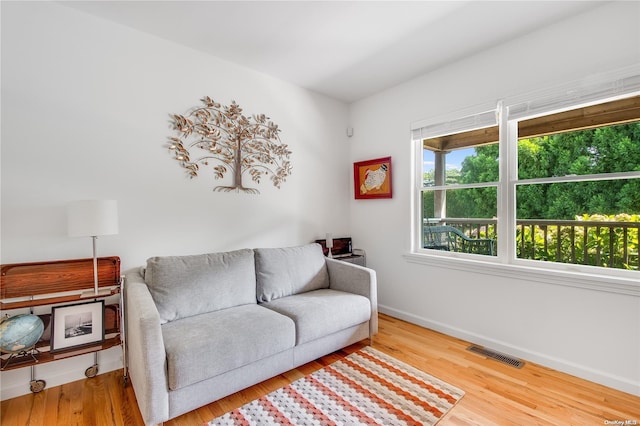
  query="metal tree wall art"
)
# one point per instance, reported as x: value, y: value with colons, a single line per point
x: 229, y: 141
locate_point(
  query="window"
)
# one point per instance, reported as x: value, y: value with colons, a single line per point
x: 578, y: 192
x: 561, y: 184
x: 459, y: 191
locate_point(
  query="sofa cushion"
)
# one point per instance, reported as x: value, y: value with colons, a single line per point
x: 282, y: 272
x: 182, y: 286
x: 204, y: 346
x: 322, y: 312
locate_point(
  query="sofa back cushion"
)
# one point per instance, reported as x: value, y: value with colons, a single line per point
x: 286, y: 271
x: 182, y: 286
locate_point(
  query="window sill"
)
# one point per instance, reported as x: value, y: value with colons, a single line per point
x: 605, y: 283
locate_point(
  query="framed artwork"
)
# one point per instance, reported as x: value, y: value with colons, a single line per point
x: 372, y: 178
x: 77, y: 325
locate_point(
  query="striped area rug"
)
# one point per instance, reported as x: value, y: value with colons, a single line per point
x: 367, y: 387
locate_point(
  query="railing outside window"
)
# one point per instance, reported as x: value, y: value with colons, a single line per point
x: 595, y: 243
x: 608, y: 244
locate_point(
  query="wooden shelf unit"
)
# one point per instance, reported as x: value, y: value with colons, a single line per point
x: 28, y: 285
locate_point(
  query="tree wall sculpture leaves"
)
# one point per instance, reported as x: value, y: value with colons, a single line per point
x: 220, y: 137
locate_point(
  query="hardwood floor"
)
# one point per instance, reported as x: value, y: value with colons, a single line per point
x: 495, y: 394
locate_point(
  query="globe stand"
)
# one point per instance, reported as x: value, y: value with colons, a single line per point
x: 22, y: 356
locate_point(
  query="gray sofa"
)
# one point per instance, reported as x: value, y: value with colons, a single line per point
x: 201, y: 327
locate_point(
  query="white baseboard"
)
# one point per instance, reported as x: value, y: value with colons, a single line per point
x: 16, y: 382
x: 601, y: 377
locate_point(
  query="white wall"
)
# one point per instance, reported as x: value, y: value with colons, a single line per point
x: 592, y: 334
x: 85, y: 114
x: 85, y: 107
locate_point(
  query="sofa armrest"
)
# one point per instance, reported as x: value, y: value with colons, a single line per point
x: 145, y: 350
x: 358, y: 280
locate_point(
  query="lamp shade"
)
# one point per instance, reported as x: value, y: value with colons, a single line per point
x: 89, y: 218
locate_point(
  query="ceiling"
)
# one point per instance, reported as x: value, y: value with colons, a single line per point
x: 347, y: 50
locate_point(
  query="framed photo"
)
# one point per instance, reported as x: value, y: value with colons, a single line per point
x: 372, y: 178
x: 77, y: 325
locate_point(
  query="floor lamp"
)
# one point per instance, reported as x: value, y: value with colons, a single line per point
x: 91, y: 218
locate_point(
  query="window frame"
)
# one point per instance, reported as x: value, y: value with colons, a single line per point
x: 514, y: 180
x: 509, y: 114
x: 475, y: 119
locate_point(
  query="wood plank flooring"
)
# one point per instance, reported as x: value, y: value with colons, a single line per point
x: 496, y: 394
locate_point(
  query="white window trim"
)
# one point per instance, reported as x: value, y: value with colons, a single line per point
x: 543, y: 275
x: 476, y: 117
x: 599, y: 89
x: 579, y: 178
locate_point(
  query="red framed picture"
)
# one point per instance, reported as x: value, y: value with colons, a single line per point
x: 372, y: 178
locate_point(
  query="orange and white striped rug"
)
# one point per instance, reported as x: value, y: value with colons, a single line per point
x: 367, y: 387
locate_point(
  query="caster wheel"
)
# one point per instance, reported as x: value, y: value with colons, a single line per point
x: 37, y: 385
x: 91, y: 371
x: 125, y: 381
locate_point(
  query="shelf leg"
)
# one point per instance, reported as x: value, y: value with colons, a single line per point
x: 93, y: 370
x: 36, y: 385
x: 123, y: 335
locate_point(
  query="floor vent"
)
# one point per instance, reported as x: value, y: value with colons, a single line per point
x: 505, y: 359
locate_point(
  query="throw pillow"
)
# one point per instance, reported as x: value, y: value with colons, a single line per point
x: 282, y: 272
x: 182, y: 286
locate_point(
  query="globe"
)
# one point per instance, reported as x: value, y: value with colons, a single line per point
x: 20, y: 333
